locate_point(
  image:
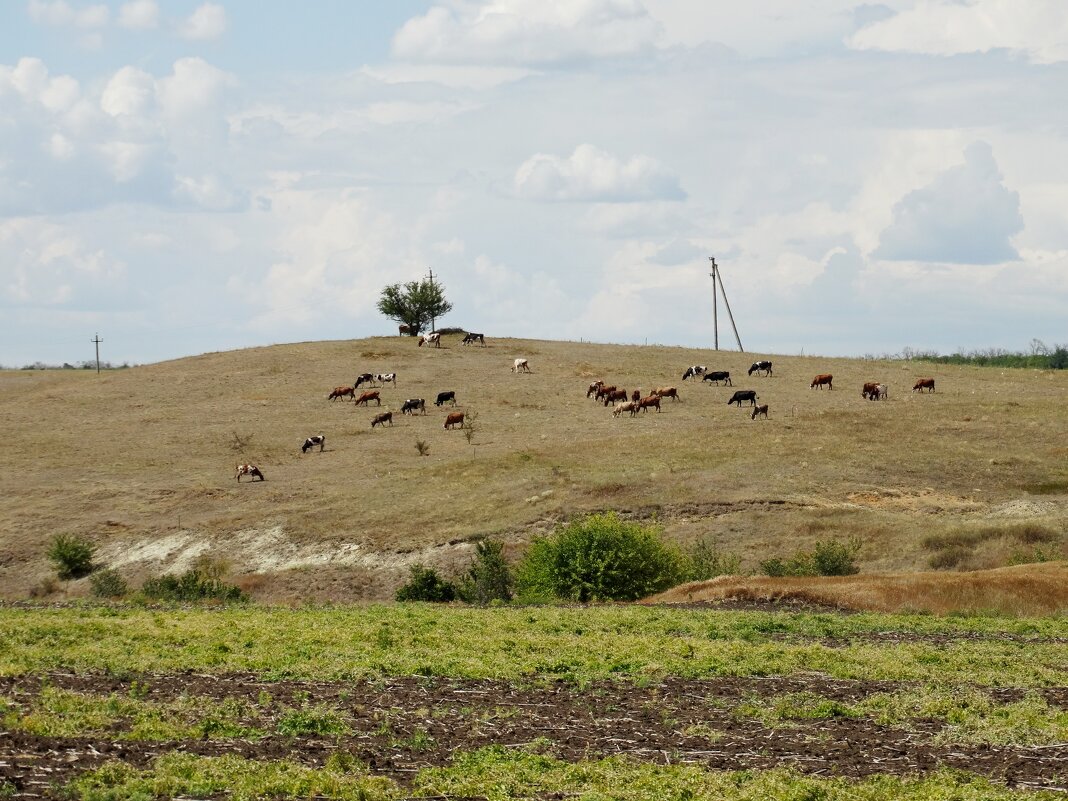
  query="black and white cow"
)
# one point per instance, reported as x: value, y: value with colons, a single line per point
x: 743, y: 395
x: 446, y: 396
x: 412, y: 404
x: 694, y: 372
x: 760, y: 367
x: 311, y: 442
x: 249, y: 470
x: 719, y: 375
x: 471, y: 338
x: 386, y: 378
x: 364, y: 378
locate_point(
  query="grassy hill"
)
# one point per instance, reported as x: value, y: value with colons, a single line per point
x: 141, y: 461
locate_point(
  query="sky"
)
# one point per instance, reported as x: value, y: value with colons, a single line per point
x: 183, y: 177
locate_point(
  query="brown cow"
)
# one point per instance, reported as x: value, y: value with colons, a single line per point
x: 667, y: 392
x: 604, y: 390
x: 821, y: 379
x: 652, y: 400
x: 382, y: 419
x: 341, y: 392
x: 924, y: 383
x: 636, y: 395
x: 369, y: 396
x: 870, y: 391
x: 615, y: 395
x: 762, y: 409
x: 453, y: 419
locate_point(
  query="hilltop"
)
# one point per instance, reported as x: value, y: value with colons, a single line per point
x: 141, y: 461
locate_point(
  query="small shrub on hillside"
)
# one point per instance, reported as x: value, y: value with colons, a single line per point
x: 831, y: 558
x: 599, y: 558
x: 72, y: 556
x: 108, y: 584
x: 425, y: 584
x: 202, y: 583
x: 489, y: 577
x: 704, y: 560
x: 949, y: 558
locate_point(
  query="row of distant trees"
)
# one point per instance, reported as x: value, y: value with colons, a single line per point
x: 86, y: 365
x: 1040, y: 356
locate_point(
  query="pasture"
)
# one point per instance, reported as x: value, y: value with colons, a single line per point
x: 141, y: 461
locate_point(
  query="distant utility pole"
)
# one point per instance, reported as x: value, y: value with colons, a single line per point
x: 96, y: 340
x: 718, y: 277
x: 433, y: 319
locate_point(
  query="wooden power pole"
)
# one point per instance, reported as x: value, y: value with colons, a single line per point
x: 96, y: 340
x: 717, y: 277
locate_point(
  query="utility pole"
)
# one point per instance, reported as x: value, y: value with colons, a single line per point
x: 715, y: 304
x: 96, y: 340
x: 717, y: 276
x: 433, y: 319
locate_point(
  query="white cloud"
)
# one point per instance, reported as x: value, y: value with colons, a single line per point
x: 130, y: 91
x: 139, y: 15
x: 193, y: 87
x: 1038, y: 29
x: 527, y: 32
x: 60, y: 13
x: 591, y: 174
x: 207, y: 22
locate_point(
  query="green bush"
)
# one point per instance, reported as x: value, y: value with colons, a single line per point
x: 202, y: 583
x: 704, y: 560
x: 830, y: 558
x: 425, y: 584
x: 599, y: 558
x: 107, y: 584
x: 489, y: 578
x: 72, y: 556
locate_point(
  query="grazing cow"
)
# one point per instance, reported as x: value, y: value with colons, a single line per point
x: 471, y: 338
x: 412, y: 404
x: 627, y: 406
x: 924, y: 383
x: 615, y: 395
x: 596, y: 385
x: 453, y: 419
x: 743, y: 395
x: 870, y: 390
x: 446, y: 396
x: 249, y: 470
x: 364, y: 378
x: 881, y: 392
x: 652, y: 400
x: 821, y: 379
x: 520, y: 366
x: 382, y: 419
x: 762, y: 409
x: 636, y: 395
x: 430, y: 339
x: 693, y: 372
x: 603, y: 390
x: 717, y: 376
x: 369, y: 396
x: 667, y: 392
x: 760, y: 367
x: 341, y: 392
x: 386, y: 378
x: 311, y: 442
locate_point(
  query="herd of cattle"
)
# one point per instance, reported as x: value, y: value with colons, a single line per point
x: 609, y: 394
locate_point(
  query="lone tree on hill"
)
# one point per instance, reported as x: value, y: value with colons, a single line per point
x: 415, y: 304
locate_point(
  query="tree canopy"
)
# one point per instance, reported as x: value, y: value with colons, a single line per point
x: 415, y: 304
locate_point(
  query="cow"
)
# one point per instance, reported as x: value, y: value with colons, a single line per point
x: 341, y: 392
x: 693, y: 372
x: 453, y: 419
x: 363, y: 378
x: 821, y: 379
x: 636, y: 395
x: 615, y: 395
x: 446, y: 396
x: 412, y: 404
x: 922, y: 384
x: 382, y: 419
x: 311, y: 442
x: 652, y: 400
x: 472, y: 338
x: 717, y: 376
x: 628, y: 406
x: 870, y: 390
x: 365, y: 397
x: 386, y: 378
x: 430, y: 339
x: 520, y: 366
x: 760, y: 367
x: 762, y: 409
x: 881, y: 391
x: 594, y: 386
x: 667, y: 392
x: 603, y: 390
x: 249, y: 470
x: 403, y: 329
x: 743, y: 395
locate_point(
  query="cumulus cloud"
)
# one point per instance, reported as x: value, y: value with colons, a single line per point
x: 60, y: 13
x: 964, y: 216
x: 139, y: 15
x: 591, y: 174
x: 207, y: 22
x: 1038, y: 29
x: 528, y: 32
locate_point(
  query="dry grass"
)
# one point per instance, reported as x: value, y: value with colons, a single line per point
x: 141, y: 460
x: 1024, y: 590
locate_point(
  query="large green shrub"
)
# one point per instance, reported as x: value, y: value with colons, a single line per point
x: 705, y: 560
x: 489, y: 577
x: 71, y: 555
x: 830, y: 558
x: 107, y: 584
x: 599, y: 558
x: 425, y: 584
x: 202, y: 583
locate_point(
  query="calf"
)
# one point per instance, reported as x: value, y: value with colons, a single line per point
x: 743, y: 395
x: 596, y: 385
x: 760, y: 367
x: 881, y: 391
x: 652, y: 400
x: 472, y: 338
x: 341, y: 392
x: 717, y: 376
x: 311, y: 442
x: 615, y: 395
x: 762, y: 409
x: 667, y: 392
x: 382, y: 419
x: 821, y: 379
x: 363, y: 378
x: 520, y: 366
x: 249, y: 470
x: 627, y: 406
x: 412, y: 404
x: 369, y: 396
x: 446, y: 396
x: 693, y: 372
x: 453, y: 419
x: 924, y: 383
